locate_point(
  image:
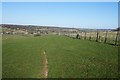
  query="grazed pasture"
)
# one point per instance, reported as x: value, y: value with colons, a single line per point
x: 67, y: 57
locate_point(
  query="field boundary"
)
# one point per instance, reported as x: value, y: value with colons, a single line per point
x: 108, y: 37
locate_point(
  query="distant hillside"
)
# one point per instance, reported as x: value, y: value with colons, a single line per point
x: 13, y: 26
x: 118, y: 29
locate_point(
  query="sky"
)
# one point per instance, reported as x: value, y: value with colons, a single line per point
x: 60, y: 0
x: 94, y: 15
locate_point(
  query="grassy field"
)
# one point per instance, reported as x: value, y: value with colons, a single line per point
x: 67, y: 57
x: 0, y: 56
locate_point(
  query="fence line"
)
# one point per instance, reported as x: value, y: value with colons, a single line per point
x: 110, y: 37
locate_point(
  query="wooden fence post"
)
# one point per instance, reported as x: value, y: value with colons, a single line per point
x: 97, y: 37
x: 116, y: 37
x: 85, y: 36
x: 80, y: 35
x: 90, y: 36
x: 106, y: 37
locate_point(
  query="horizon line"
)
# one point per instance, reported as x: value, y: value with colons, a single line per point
x: 55, y: 26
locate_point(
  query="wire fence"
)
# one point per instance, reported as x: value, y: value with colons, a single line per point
x: 110, y: 37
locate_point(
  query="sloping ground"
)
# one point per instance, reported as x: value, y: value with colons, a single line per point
x: 67, y: 58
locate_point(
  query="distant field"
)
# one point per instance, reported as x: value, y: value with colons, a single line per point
x: 67, y: 57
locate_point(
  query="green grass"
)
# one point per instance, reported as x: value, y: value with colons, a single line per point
x: 0, y: 56
x: 67, y: 57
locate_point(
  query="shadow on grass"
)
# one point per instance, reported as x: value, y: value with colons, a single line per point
x: 97, y: 41
x: 113, y: 44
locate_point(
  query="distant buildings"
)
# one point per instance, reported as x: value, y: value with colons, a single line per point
x: 37, y: 30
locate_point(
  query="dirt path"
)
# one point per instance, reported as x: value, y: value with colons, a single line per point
x: 45, y: 61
